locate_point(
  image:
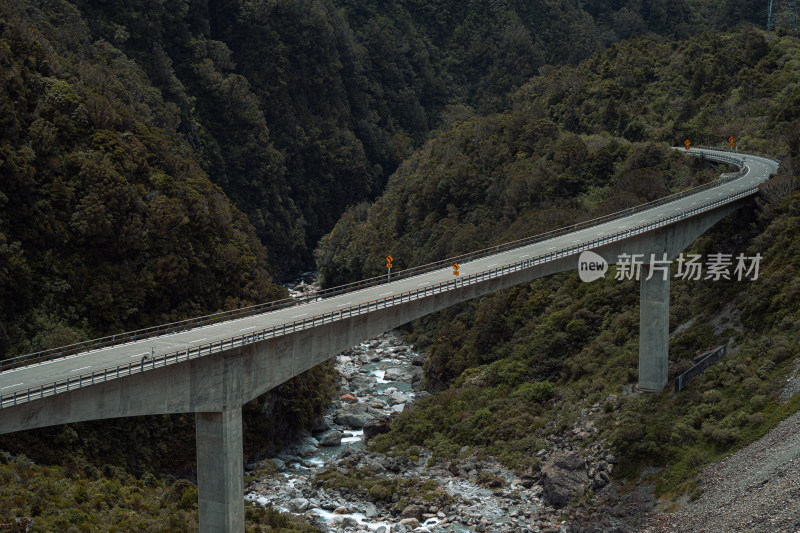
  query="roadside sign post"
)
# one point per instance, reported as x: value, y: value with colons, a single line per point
x: 389, y: 260
x: 732, y: 141
x: 455, y: 269
x: 688, y: 143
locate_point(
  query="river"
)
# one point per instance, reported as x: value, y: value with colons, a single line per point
x: 379, y: 378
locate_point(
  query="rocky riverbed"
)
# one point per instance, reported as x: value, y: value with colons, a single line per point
x: 329, y: 477
x: 378, y: 379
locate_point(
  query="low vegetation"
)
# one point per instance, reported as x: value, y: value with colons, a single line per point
x: 516, y: 366
x: 80, y: 497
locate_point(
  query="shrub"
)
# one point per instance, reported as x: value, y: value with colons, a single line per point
x: 538, y: 392
x: 723, y: 436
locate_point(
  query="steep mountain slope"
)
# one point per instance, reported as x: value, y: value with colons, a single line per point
x: 515, y: 368
x: 108, y: 224
x: 300, y: 108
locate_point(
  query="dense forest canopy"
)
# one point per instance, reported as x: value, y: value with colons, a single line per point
x: 160, y: 160
x: 567, y: 146
x: 300, y: 108
x: 294, y: 109
x: 515, y: 367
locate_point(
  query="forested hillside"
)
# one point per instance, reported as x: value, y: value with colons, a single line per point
x: 107, y: 224
x: 515, y: 368
x: 300, y: 108
x: 160, y: 160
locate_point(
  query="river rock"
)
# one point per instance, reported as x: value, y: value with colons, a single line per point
x: 393, y: 374
x: 298, y: 505
x: 345, y: 521
x: 399, y: 397
x: 353, y: 420
x: 330, y: 438
x: 306, y: 447
x: 280, y: 465
x: 563, y: 476
x: 413, y: 511
x: 370, y: 511
x: 348, y: 398
x: 361, y: 384
x: 413, y: 523
x: 321, y: 425
x: 376, y: 427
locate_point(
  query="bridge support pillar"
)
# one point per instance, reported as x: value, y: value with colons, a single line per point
x: 653, y: 331
x: 220, y: 472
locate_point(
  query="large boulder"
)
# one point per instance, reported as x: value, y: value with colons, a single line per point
x: 321, y: 425
x: 376, y: 427
x: 413, y: 511
x: 398, y: 398
x: 361, y: 384
x: 563, y: 476
x: 393, y: 374
x: 330, y: 438
x: 298, y: 505
x: 305, y: 448
x: 353, y: 420
x: 413, y: 523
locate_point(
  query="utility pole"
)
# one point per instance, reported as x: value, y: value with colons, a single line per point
x: 782, y: 13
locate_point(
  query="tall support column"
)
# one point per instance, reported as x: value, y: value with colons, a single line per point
x: 653, y: 331
x: 220, y: 472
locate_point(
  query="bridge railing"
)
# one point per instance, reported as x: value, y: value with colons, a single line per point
x: 748, y: 153
x: 183, y: 325
x: 98, y: 376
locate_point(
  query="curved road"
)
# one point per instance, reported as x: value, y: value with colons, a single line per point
x: 757, y: 169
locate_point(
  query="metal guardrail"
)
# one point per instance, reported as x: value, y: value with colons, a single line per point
x: 705, y: 361
x: 750, y: 153
x: 184, y: 325
x: 107, y: 374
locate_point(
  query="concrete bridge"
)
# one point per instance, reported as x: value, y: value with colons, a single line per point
x: 213, y: 369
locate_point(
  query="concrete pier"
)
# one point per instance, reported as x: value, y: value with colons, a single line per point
x: 653, y: 331
x: 220, y: 472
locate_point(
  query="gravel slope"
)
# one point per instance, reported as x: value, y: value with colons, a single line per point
x: 756, y: 489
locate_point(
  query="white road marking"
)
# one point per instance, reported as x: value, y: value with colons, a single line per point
x: 493, y: 264
x: 342, y: 305
x: 298, y: 316
x: 552, y: 247
x: 82, y: 368
x: 9, y: 386
x: 424, y: 283
x: 198, y: 340
x: 140, y: 354
x: 523, y: 256
x: 251, y: 327
x: 384, y: 294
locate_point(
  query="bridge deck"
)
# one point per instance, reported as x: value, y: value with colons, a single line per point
x: 31, y: 382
